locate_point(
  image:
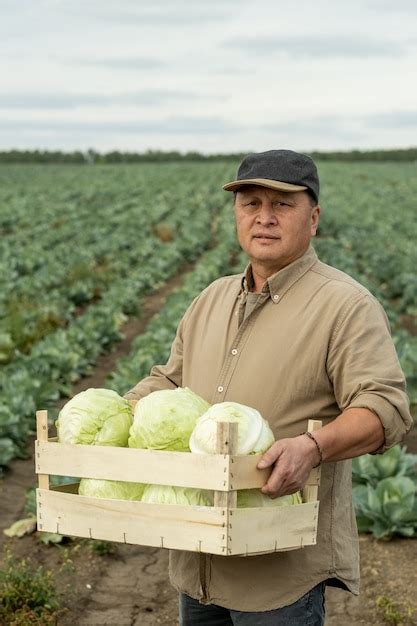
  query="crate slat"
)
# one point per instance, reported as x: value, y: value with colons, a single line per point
x: 182, y: 469
x: 167, y: 526
x: 250, y: 531
x: 226, y: 444
x: 310, y: 491
x: 42, y: 435
x: 134, y: 465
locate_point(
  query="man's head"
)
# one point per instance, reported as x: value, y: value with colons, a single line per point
x: 284, y: 170
x: 276, y: 206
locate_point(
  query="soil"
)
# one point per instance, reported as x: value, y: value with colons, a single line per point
x: 130, y: 585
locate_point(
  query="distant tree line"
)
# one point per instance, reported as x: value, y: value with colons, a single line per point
x: 159, y: 156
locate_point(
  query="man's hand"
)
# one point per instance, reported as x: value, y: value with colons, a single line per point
x: 292, y: 461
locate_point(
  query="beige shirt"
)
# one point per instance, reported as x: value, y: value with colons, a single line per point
x: 314, y: 343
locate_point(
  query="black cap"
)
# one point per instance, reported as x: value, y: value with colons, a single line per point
x: 284, y: 170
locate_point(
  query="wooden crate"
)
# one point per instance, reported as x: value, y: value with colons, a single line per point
x: 221, y: 529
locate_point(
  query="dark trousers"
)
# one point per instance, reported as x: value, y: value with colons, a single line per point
x: 307, y: 611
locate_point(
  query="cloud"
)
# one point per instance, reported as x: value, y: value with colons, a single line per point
x: 319, y: 47
x: 156, y: 13
x: 346, y: 128
x: 338, y: 127
x: 399, y: 6
x: 162, y: 17
x: 145, y: 97
x: 48, y: 101
x: 342, y: 128
x: 168, y: 126
x: 122, y: 63
x: 393, y: 119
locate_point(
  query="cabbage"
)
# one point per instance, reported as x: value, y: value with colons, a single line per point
x: 266, y: 439
x: 164, y: 420
x: 255, y: 498
x: 96, y: 417
x: 254, y: 437
x: 163, y: 494
x: 112, y: 489
x: 254, y: 433
x: 388, y: 509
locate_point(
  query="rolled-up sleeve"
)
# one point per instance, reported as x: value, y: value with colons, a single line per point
x: 364, y: 369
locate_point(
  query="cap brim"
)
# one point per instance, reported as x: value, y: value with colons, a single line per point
x: 263, y: 182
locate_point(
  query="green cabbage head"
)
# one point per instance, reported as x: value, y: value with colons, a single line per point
x: 163, y: 494
x: 255, y: 498
x: 164, y: 420
x: 111, y: 489
x: 96, y: 417
x: 254, y: 433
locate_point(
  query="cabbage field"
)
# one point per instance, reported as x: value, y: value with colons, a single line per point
x: 82, y: 246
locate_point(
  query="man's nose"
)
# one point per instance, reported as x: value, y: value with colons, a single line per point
x: 266, y: 214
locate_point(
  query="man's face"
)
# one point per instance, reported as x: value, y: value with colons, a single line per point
x: 274, y: 227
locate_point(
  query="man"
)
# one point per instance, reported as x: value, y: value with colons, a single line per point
x: 296, y: 339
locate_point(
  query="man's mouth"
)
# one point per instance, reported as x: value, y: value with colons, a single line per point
x: 265, y: 236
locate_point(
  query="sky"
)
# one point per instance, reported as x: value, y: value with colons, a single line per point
x: 216, y: 76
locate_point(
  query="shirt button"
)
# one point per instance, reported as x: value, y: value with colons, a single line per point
x: 275, y: 297
x: 234, y: 351
x: 220, y: 389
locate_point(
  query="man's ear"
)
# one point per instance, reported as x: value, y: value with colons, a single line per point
x: 315, y: 214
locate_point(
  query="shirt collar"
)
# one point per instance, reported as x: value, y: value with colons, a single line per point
x: 277, y: 284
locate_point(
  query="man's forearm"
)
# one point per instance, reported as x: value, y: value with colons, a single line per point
x: 356, y: 431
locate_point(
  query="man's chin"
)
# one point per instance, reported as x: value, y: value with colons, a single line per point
x: 267, y: 253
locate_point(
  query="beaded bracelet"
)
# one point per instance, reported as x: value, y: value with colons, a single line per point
x: 317, y: 446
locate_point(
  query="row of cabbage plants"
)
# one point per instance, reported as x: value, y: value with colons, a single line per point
x: 55, y: 362
x: 368, y: 229
x: 84, y: 241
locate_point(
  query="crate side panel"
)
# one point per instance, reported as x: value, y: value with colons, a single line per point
x: 270, y: 529
x: 168, y: 526
x: 204, y: 471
